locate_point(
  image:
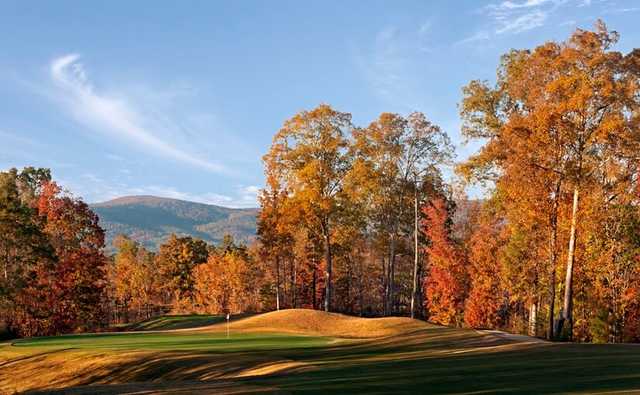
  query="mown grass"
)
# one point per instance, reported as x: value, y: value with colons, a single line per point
x: 430, y: 359
x: 173, y: 341
x: 540, y: 369
x: 171, y: 322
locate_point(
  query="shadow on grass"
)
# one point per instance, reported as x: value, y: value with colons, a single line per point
x: 185, y: 321
x: 433, y: 360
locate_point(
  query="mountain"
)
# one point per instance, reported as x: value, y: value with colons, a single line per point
x: 150, y: 220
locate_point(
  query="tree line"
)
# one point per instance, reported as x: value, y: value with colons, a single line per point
x: 361, y: 219
x: 57, y: 279
x: 51, y: 252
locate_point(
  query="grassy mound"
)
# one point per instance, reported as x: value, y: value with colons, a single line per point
x: 319, y: 323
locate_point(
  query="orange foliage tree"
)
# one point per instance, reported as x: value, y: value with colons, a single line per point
x: 229, y: 282
x: 486, y: 300
x: 565, y: 114
x: 446, y: 283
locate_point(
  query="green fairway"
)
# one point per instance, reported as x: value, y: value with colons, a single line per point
x: 539, y: 370
x: 425, y: 359
x: 174, y: 341
x: 167, y: 322
x: 170, y: 322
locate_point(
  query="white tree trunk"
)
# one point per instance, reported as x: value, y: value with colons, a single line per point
x: 415, y: 251
x: 568, y: 284
x: 553, y: 261
x: 533, y: 319
x: 277, y: 283
x: 328, y: 278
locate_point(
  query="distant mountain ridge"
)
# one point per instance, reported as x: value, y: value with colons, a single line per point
x: 151, y: 219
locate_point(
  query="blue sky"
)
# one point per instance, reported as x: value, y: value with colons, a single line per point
x: 181, y: 99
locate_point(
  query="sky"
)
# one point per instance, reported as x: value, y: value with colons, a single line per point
x: 182, y: 99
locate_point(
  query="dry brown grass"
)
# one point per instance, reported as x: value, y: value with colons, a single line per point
x: 55, y: 369
x: 69, y: 368
x: 319, y: 323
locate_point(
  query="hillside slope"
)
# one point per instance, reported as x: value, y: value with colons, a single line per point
x: 319, y: 323
x: 150, y: 220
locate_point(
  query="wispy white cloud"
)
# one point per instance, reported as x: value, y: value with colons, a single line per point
x: 510, y: 5
x: 390, y: 65
x: 16, y: 147
x: 424, y: 33
x: 114, y: 115
x: 387, y: 62
x: 243, y: 197
x: 570, y: 22
x: 114, y: 157
x: 94, y: 188
x: 514, y: 17
x: 382, y: 65
x: 517, y: 17
x: 523, y: 22
x: 13, y: 138
x: 482, y: 35
x: 622, y: 10
x: 18, y: 150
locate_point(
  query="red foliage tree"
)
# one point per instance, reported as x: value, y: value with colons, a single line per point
x: 482, y: 307
x: 445, y: 286
x: 78, y: 278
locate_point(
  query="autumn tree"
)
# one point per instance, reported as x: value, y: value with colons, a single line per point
x: 134, y: 277
x: 484, y: 306
x: 25, y: 252
x: 275, y: 219
x: 392, y: 155
x: 229, y: 282
x: 176, y: 259
x: 79, y: 276
x: 613, y: 245
x: 309, y: 155
x: 564, y: 111
x: 446, y: 284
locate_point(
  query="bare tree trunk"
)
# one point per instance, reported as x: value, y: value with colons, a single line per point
x: 277, y: 283
x: 568, y: 284
x: 385, y: 286
x: 314, y: 282
x: 553, y: 258
x: 392, y: 273
x: 361, y: 287
x: 293, y: 283
x: 328, y: 278
x: 533, y: 319
x: 552, y: 283
x: 415, y: 250
x: 349, y: 308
